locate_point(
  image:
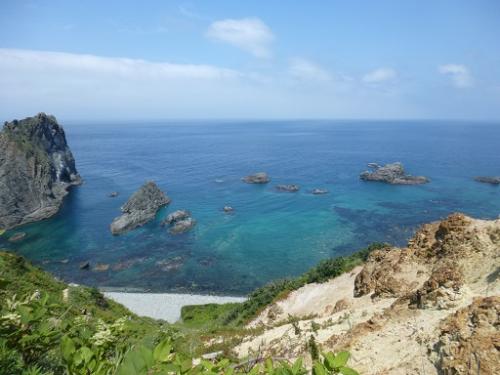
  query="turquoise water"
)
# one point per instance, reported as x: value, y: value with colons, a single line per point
x: 271, y: 234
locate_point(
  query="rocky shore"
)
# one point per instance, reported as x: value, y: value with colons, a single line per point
x: 494, y: 180
x: 392, y: 174
x: 141, y: 208
x: 37, y: 169
x: 432, y: 307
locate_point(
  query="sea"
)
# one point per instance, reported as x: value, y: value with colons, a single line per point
x: 271, y: 234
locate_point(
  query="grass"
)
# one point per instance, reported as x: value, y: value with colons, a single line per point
x: 238, y: 314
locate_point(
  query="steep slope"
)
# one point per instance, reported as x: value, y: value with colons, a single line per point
x: 36, y: 170
x: 432, y: 307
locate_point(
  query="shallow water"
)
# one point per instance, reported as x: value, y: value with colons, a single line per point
x: 271, y: 234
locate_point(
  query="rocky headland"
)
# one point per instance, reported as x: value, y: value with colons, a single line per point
x: 36, y: 170
x: 140, y: 208
x: 432, y: 307
x: 393, y: 173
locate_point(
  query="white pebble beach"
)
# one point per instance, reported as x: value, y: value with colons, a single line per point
x: 166, y: 306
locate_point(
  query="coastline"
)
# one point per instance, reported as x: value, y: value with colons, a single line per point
x: 165, y: 306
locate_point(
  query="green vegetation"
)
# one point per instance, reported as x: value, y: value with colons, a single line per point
x: 241, y: 313
x: 48, y: 327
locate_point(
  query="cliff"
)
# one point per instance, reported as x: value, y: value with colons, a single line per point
x: 432, y: 307
x: 36, y: 170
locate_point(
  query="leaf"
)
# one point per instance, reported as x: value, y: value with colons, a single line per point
x: 341, y: 359
x: 319, y: 369
x: 297, y: 366
x: 67, y: 348
x: 86, y: 354
x: 162, y: 351
x: 329, y: 361
x: 347, y: 371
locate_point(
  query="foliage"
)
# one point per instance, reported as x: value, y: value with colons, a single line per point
x: 50, y: 328
x: 324, y: 271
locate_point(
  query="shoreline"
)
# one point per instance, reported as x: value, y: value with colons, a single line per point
x: 165, y: 306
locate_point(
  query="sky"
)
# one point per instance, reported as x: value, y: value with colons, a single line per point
x: 268, y: 59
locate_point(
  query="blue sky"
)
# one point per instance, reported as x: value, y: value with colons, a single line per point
x: 258, y: 59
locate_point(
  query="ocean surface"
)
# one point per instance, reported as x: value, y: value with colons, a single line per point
x: 271, y: 234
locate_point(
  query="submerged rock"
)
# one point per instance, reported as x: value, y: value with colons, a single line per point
x: 257, y: 178
x: 392, y: 174
x: 171, y: 264
x: 101, y: 267
x: 320, y: 191
x: 85, y: 265
x: 494, y: 180
x: 140, y: 208
x: 288, y: 188
x: 16, y: 237
x: 113, y: 194
x: 36, y: 170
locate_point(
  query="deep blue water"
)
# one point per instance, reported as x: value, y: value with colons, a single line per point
x: 271, y: 234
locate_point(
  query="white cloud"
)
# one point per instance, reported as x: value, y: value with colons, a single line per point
x: 305, y: 70
x: 111, y: 66
x: 249, y: 34
x: 380, y: 75
x: 459, y: 74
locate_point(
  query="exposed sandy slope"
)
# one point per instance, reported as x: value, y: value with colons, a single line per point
x: 430, y: 308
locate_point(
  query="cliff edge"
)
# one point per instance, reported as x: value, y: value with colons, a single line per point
x: 36, y: 170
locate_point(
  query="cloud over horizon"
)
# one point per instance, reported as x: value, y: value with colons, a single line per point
x: 459, y: 75
x: 249, y: 34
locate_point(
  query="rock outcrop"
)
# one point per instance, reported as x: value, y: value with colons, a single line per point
x: 291, y: 188
x: 318, y: 191
x: 432, y: 307
x: 494, y: 180
x: 392, y: 174
x: 36, y: 170
x: 257, y: 178
x: 140, y: 208
x: 179, y: 221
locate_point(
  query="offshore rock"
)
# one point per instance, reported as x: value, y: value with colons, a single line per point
x: 494, y: 180
x: 140, y: 208
x: 36, y: 170
x: 257, y: 178
x: 288, y: 188
x: 318, y: 191
x: 180, y: 221
x: 392, y: 174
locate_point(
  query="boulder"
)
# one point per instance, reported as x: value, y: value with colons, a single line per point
x: 141, y: 208
x: 182, y: 226
x: 37, y: 169
x: 113, y: 194
x: 176, y: 216
x: 392, y: 174
x: 257, y: 178
x: 85, y: 265
x: 228, y: 209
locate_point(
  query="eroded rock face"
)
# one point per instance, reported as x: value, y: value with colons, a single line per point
x: 140, y: 208
x: 392, y: 174
x: 469, y: 341
x: 257, y: 178
x: 36, y: 170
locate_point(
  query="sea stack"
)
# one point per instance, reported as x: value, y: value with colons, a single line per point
x: 37, y: 169
x: 140, y: 208
x: 392, y: 174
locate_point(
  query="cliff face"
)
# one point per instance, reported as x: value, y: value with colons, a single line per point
x: 432, y: 307
x: 36, y: 170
